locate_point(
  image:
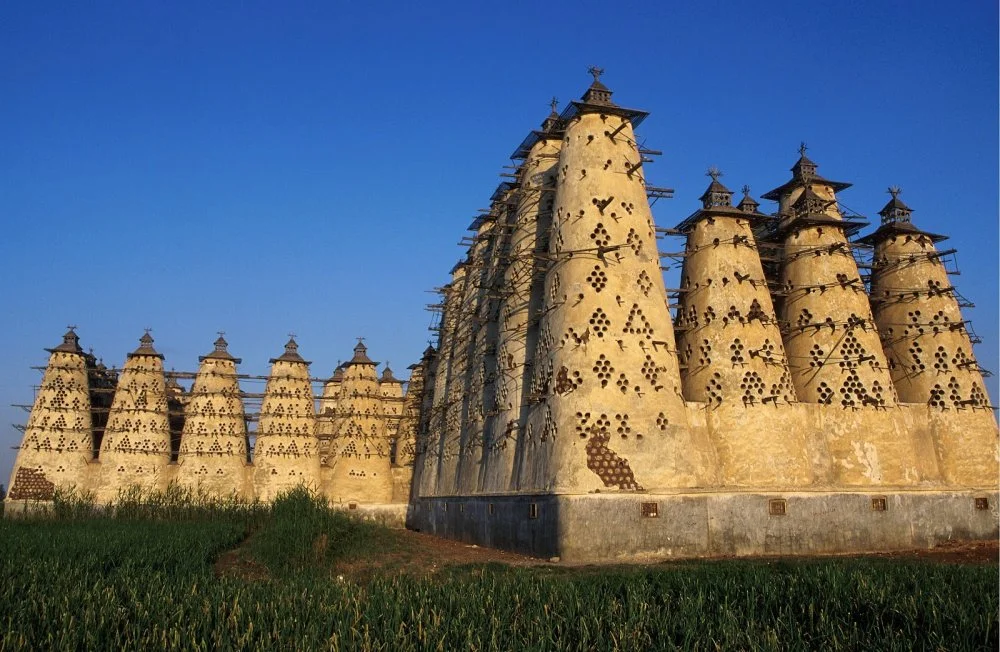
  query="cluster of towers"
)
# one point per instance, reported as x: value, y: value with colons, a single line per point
x: 104, y: 431
x: 562, y: 370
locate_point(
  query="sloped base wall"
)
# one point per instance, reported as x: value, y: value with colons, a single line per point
x: 604, y: 528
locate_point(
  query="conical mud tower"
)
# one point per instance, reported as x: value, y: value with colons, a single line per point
x: 928, y: 343
x: 286, y: 454
x: 213, y: 450
x: 390, y: 391
x: 521, y: 299
x: 362, y: 471
x: 136, y: 446
x: 611, y: 416
x: 58, y: 444
x: 730, y: 345
x: 831, y: 339
x: 833, y: 345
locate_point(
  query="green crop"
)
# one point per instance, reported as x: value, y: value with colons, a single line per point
x: 143, y: 577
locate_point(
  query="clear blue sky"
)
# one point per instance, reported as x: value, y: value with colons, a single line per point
x: 262, y: 167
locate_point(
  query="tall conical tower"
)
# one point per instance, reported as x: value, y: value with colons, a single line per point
x: 213, y: 450
x: 928, y: 345
x: 425, y: 445
x: 477, y: 408
x: 446, y: 373
x: 390, y: 391
x: 286, y: 453
x: 612, y: 416
x: 57, y: 446
x: 327, y: 416
x: 409, y: 423
x: 730, y: 344
x: 832, y: 343
x: 136, y: 446
x: 521, y: 299
x: 460, y: 384
x: 362, y: 470
x: 925, y: 336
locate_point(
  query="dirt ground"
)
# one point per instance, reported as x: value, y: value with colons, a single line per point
x: 423, y: 555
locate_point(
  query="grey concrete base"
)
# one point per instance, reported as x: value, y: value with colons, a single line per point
x: 611, y: 528
x: 389, y: 514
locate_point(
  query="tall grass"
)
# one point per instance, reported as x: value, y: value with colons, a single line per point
x: 136, y: 580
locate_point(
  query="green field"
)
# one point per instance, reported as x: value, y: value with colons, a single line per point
x: 148, y: 578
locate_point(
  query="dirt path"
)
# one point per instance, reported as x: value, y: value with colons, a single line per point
x: 422, y: 555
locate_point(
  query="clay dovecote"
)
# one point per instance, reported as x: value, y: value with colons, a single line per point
x: 409, y: 421
x: 136, y: 448
x: 391, y: 395
x: 730, y: 346
x: 213, y: 449
x: 361, y: 472
x: 286, y: 453
x: 610, y: 415
x: 326, y: 417
x: 460, y: 381
x: 928, y: 343
x: 729, y: 340
x: 58, y: 443
x: 831, y: 340
x: 917, y: 310
x: 478, y: 414
x: 448, y: 367
x: 521, y: 300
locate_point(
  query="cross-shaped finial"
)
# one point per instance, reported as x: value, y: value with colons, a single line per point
x: 894, y: 191
x: 361, y: 340
x: 291, y: 336
x: 220, y: 333
x: 71, y: 327
x: 148, y: 330
x: 596, y: 72
x: 746, y: 190
x: 802, y: 148
x: 714, y: 172
x: 554, y: 103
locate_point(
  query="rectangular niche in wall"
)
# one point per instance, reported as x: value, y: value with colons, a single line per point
x: 879, y: 504
x: 776, y: 507
x: 650, y: 510
x: 982, y: 502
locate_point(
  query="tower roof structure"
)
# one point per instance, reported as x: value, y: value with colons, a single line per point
x: 804, y: 173
x: 291, y: 353
x: 748, y: 204
x: 220, y: 352
x: 360, y: 356
x: 597, y: 99
x: 70, y: 343
x: 717, y: 200
x: 896, y: 219
x: 552, y: 127
x: 387, y: 376
x: 146, y: 347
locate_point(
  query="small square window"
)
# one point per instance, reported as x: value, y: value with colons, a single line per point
x: 650, y: 510
x: 352, y: 505
x: 879, y: 504
x: 776, y: 507
x: 982, y: 503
